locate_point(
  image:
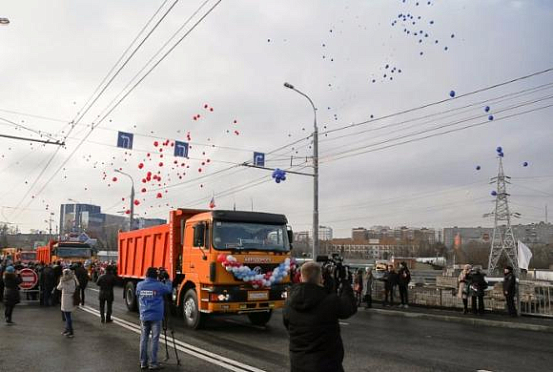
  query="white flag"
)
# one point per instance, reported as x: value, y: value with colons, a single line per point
x: 524, y: 255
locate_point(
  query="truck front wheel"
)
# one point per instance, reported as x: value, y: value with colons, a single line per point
x: 191, y: 311
x: 130, y: 296
x: 260, y: 319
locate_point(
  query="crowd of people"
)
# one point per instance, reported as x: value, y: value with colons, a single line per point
x: 59, y: 284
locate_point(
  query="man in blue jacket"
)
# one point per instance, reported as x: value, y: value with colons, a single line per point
x: 150, y: 294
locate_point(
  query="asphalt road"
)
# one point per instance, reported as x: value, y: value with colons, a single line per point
x: 373, y: 342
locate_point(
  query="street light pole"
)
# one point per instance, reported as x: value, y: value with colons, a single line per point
x: 131, y: 222
x: 315, y: 172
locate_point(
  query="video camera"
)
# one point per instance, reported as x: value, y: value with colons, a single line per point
x: 334, y: 270
x: 162, y: 274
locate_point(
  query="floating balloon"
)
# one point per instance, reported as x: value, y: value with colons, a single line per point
x: 478, y: 167
x: 525, y: 164
x: 137, y: 202
x: 279, y: 175
x: 487, y: 108
x: 494, y: 193
x: 499, y: 149
x: 490, y: 117
x: 452, y: 94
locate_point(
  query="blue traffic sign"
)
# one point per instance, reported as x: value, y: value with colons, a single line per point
x: 124, y: 140
x: 181, y: 149
x: 259, y: 159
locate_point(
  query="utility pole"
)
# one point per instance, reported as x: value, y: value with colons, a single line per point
x: 131, y: 221
x: 503, y: 240
x: 546, y: 213
x: 315, y: 172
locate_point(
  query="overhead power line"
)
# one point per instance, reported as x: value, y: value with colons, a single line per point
x: 427, y: 105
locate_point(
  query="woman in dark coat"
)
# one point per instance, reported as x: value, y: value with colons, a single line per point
x: 11, y: 292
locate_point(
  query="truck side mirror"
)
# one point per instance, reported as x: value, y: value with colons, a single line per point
x: 199, y: 235
x: 290, y: 236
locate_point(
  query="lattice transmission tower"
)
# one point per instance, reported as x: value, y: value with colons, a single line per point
x: 503, y: 240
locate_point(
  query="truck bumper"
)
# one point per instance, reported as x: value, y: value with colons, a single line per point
x: 241, y: 307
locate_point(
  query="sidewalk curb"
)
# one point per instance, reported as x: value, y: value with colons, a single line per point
x: 471, y: 321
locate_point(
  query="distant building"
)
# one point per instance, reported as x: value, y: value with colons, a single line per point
x: 456, y: 237
x: 325, y: 233
x: 359, y: 234
x: 77, y: 218
x: 535, y: 233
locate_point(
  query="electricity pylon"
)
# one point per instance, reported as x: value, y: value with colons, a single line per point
x: 503, y: 240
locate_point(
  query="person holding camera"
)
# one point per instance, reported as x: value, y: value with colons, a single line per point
x: 311, y: 317
x: 150, y: 293
x: 478, y: 285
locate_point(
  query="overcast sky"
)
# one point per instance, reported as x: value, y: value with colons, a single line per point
x: 55, y: 54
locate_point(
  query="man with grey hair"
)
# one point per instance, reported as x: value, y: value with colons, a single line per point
x: 311, y: 317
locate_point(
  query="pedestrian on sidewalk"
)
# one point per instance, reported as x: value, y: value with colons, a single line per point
x: 311, y: 316
x: 404, y: 278
x: 509, y: 290
x: 82, y: 276
x: 11, y: 292
x: 47, y: 284
x: 69, y: 299
x: 106, y: 283
x: 358, y: 286
x: 463, y: 291
x: 390, y: 281
x: 150, y: 293
x: 368, y: 289
x: 478, y: 285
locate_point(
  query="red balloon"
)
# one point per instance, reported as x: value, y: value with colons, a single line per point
x: 114, y: 179
x: 159, y: 195
x: 161, y: 164
x: 200, y: 170
x: 221, y: 258
x: 211, y: 109
x: 144, y: 180
x: 137, y: 202
x: 143, y: 189
x: 141, y: 165
x: 206, y: 105
x: 156, y: 143
x: 235, y: 122
x: 236, y: 132
x: 127, y: 212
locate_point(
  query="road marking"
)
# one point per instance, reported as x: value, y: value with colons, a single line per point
x: 192, y: 350
x: 93, y: 289
x: 344, y: 323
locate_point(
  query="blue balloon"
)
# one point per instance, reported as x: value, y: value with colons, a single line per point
x: 501, y: 154
x: 452, y: 94
x: 494, y: 193
x: 477, y: 167
x: 487, y: 108
x: 499, y: 149
x: 525, y: 164
x: 490, y: 117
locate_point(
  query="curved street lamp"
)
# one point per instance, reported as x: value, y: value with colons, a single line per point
x: 315, y: 171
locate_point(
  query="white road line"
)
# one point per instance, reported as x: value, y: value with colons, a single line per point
x: 344, y: 323
x: 94, y: 289
x: 194, y: 351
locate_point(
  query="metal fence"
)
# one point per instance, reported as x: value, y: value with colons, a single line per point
x: 537, y: 300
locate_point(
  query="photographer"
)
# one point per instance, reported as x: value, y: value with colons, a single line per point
x: 311, y: 317
x: 150, y: 293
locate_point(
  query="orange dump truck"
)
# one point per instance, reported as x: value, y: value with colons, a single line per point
x: 67, y: 251
x: 219, y: 262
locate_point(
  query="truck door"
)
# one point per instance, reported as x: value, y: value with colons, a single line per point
x: 195, y: 250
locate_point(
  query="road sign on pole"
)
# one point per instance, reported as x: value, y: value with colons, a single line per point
x: 259, y: 159
x: 181, y: 149
x: 124, y: 140
x: 29, y: 279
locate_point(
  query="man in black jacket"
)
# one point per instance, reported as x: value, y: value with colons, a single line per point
x: 82, y: 276
x: 404, y: 278
x: 509, y: 290
x: 106, y: 283
x: 390, y: 281
x: 311, y: 316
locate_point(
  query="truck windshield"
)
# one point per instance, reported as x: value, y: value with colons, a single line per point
x: 28, y: 256
x: 250, y: 236
x: 73, y: 252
